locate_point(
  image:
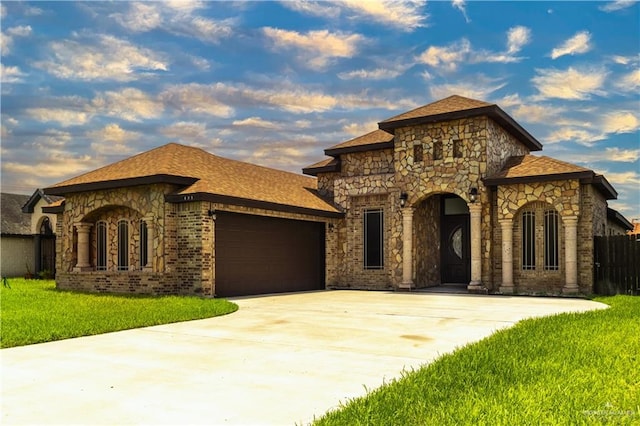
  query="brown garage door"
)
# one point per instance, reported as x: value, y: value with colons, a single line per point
x: 258, y: 255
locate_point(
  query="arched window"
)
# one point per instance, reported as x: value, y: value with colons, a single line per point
x: 123, y: 245
x: 101, y: 246
x: 144, y: 248
x: 45, y: 227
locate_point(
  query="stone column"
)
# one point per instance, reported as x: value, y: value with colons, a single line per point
x: 507, y: 256
x: 84, y: 230
x: 475, y: 212
x: 151, y: 255
x: 571, y: 254
x: 407, y: 248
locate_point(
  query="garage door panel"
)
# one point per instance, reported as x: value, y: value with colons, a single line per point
x: 257, y: 255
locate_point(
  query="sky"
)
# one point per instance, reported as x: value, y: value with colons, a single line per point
x: 85, y: 84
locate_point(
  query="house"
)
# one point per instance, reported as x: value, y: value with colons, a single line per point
x: 28, y: 240
x: 448, y: 193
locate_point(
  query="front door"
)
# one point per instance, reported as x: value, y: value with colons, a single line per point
x: 455, y: 249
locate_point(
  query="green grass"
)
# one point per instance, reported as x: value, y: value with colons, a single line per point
x: 565, y: 369
x: 33, y: 311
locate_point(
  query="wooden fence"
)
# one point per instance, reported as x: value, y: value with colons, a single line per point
x: 617, y: 265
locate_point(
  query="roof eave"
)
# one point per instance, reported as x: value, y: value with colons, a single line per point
x: 245, y: 202
x: 538, y: 178
x: 314, y: 171
x: 333, y: 152
x: 602, y: 185
x: 493, y: 111
x: 119, y: 183
x: 618, y: 217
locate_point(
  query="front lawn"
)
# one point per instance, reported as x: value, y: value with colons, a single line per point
x: 33, y: 311
x: 565, y: 369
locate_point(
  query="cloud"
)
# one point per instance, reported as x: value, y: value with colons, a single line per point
x: 176, y: 17
x: 3, y: 11
x: 66, y: 117
x: 533, y: 113
x: 129, y: 104
x: 461, y: 6
x: 580, y: 136
x: 446, y: 57
x: 255, y: 122
x: 101, y: 58
x: 112, y: 139
x: 620, y: 122
x: 11, y: 74
x: 617, y: 5
x: 141, y: 17
x: 197, y: 98
x: 572, y: 84
x: 403, y: 15
x: 20, y: 31
x: 630, y: 82
x: 374, y: 74
x: 517, y: 37
x: 6, y: 39
x: 358, y: 129
x: 617, y: 154
x: 579, y: 43
x: 476, y: 87
x: 316, y: 48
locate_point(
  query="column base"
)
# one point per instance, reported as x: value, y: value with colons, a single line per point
x: 571, y: 290
x: 476, y: 287
x: 82, y: 268
x: 506, y: 289
x: 406, y: 286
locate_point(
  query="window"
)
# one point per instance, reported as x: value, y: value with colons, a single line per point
x: 437, y: 150
x: 373, y: 239
x: 457, y: 148
x: 540, y: 238
x: 123, y: 245
x: 101, y: 246
x: 144, y: 250
x: 550, y: 240
x: 528, y: 240
x: 417, y: 153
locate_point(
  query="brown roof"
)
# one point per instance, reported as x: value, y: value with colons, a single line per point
x: 457, y: 107
x: 533, y: 168
x: 377, y: 139
x: 453, y: 103
x: 14, y: 221
x: 204, y: 176
x: 326, y: 165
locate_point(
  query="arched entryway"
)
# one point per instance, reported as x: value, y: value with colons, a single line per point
x: 442, y: 241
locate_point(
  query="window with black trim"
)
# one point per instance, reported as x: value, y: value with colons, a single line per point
x: 101, y: 246
x: 437, y: 150
x: 123, y: 245
x: 551, y: 240
x: 457, y: 148
x: 528, y: 240
x: 144, y: 247
x: 373, y: 239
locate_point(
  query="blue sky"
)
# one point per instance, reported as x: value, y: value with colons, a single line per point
x: 275, y: 83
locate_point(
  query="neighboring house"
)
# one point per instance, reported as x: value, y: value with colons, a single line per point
x: 447, y: 193
x: 28, y: 238
x: 16, y: 241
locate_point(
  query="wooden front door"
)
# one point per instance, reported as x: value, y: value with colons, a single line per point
x: 455, y: 249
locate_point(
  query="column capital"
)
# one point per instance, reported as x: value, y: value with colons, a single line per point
x: 475, y: 208
x: 407, y: 211
x: 505, y: 222
x: 570, y: 220
x: 83, y: 226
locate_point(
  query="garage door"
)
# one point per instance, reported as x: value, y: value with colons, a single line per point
x: 259, y: 255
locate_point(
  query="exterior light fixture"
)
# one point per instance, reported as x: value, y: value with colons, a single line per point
x: 403, y: 199
x: 473, y: 194
x: 212, y: 214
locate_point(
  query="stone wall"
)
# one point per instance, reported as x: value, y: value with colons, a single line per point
x: 427, y: 242
x: 367, y: 163
x: 500, y: 146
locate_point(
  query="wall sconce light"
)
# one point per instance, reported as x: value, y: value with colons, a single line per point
x: 473, y: 194
x: 212, y: 214
x: 330, y: 225
x: 403, y: 199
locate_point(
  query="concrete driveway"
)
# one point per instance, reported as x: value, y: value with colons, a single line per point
x: 280, y: 359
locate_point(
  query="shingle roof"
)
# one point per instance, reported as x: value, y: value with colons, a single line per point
x: 377, y: 137
x: 326, y: 165
x: 14, y: 222
x: 453, y: 103
x: 458, y: 107
x: 533, y: 168
x: 203, y: 175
